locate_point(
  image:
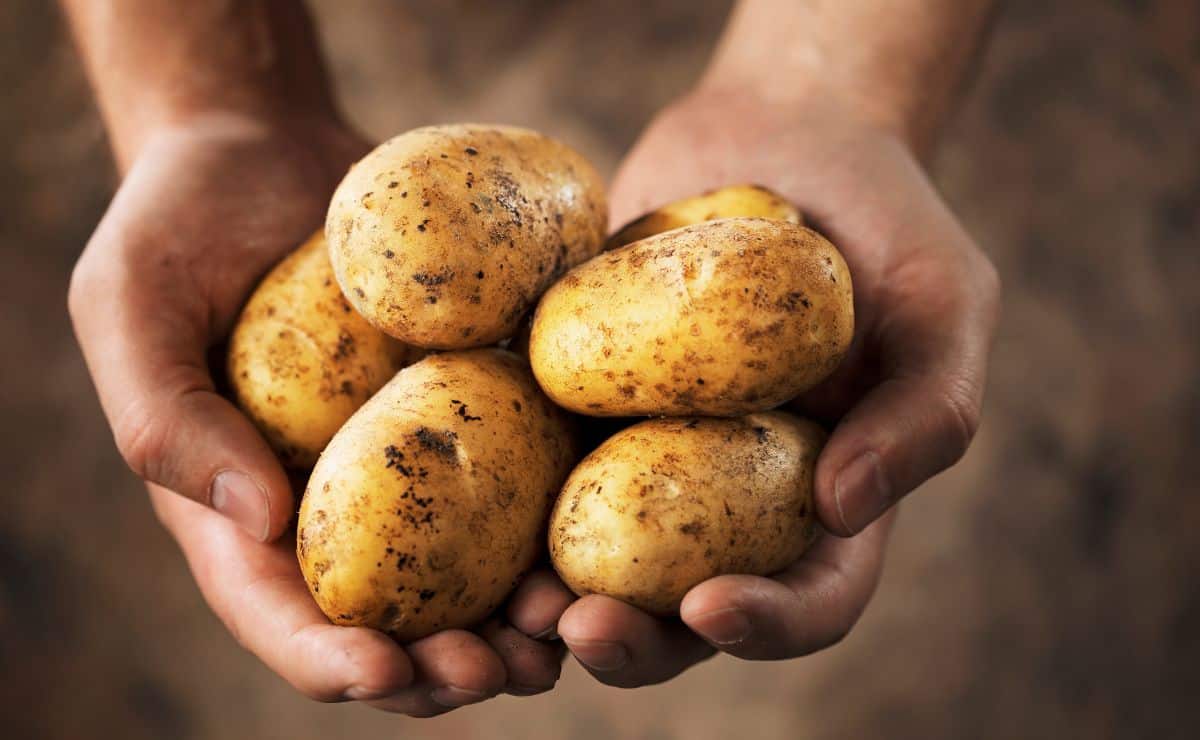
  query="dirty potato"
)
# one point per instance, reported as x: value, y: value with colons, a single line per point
x: 726, y: 202
x: 301, y: 360
x: 429, y: 504
x: 445, y: 236
x: 722, y: 318
x: 668, y: 503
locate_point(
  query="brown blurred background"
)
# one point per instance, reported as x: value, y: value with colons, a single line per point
x: 1049, y: 586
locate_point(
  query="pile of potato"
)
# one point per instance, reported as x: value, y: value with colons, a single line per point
x: 372, y: 356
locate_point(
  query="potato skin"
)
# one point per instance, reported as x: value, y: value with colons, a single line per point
x: 727, y: 202
x: 429, y: 504
x: 445, y: 236
x: 301, y: 360
x: 668, y: 503
x: 722, y: 318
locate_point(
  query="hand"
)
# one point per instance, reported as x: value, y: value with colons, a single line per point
x: 207, y: 207
x: 906, y: 400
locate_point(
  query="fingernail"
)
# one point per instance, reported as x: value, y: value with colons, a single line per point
x: 600, y: 656
x: 861, y: 492
x: 453, y: 696
x: 723, y: 626
x: 238, y: 497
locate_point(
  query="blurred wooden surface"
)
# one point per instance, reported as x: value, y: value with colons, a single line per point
x: 1049, y: 586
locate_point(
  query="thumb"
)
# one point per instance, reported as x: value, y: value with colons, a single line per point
x: 145, y: 349
x: 915, y: 423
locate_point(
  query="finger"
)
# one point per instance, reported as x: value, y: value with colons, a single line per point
x: 921, y: 418
x: 808, y: 607
x: 454, y: 668
x: 623, y: 646
x: 538, y: 603
x: 258, y: 592
x: 532, y: 666
x: 145, y: 347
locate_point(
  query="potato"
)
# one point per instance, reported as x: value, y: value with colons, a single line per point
x: 301, y: 361
x: 668, y: 503
x: 726, y: 202
x: 445, y: 236
x: 722, y: 318
x: 429, y: 504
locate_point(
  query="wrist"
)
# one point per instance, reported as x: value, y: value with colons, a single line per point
x: 896, y: 64
x: 807, y: 104
x: 133, y: 133
x: 318, y: 149
x: 157, y: 63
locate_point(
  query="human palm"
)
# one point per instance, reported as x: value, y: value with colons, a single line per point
x: 204, y: 211
x: 903, y: 405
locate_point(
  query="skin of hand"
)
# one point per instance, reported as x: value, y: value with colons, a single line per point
x: 903, y: 405
x: 213, y: 199
x: 208, y: 205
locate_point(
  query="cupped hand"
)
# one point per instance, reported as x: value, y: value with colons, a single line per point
x: 257, y: 590
x: 903, y: 405
x: 207, y: 207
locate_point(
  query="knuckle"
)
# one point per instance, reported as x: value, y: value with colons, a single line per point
x: 300, y: 644
x: 150, y: 432
x: 97, y: 265
x: 959, y: 418
x: 232, y: 624
x: 79, y: 290
x: 235, y: 631
x: 991, y: 284
x: 143, y: 439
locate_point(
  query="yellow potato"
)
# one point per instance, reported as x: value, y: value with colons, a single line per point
x: 727, y: 202
x: 301, y: 361
x: 429, y: 504
x: 718, y: 319
x: 668, y: 503
x: 445, y: 236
